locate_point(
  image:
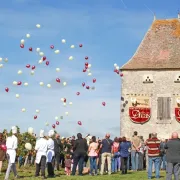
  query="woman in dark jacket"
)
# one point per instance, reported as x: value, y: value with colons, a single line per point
x: 124, y: 153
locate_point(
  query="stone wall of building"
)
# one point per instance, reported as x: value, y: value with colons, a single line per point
x: 163, y: 85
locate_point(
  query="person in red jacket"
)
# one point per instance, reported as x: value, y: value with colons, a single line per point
x: 153, y: 146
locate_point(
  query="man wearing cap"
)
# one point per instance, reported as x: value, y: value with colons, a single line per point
x: 41, y: 148
x: 11, y: 143
x: 57, y: 149
x: 50, y: 154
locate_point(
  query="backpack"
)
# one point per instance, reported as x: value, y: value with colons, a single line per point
x: 115, y: 147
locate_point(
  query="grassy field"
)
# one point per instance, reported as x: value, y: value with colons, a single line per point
x: 28, y: 173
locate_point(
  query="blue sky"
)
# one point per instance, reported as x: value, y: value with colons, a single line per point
x: 110, y: 32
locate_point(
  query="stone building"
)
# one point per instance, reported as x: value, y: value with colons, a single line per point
x: 150, y: 88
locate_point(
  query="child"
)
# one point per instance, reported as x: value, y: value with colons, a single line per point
x: 68, y: 165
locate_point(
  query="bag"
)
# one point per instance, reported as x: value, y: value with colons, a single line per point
x: 115, y: 148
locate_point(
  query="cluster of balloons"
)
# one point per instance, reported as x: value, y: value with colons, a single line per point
x: 117, y: 70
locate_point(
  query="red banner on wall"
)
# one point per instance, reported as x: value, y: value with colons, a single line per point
x: 177, y: 114
x: 139, y: 110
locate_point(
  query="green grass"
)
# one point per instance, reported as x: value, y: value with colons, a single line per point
x: 28, y: 173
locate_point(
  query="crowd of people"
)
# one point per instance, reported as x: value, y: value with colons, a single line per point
x: 104, y: 156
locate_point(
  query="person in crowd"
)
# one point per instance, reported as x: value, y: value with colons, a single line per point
x: 124, y: 152
x: 11, y: 144
x: 41, y: 147
x: 173, y: 157
x: 129, y: 150
x: 93, y: 153
x: 50, y: 154
x: 62, y: 153
x: 141, y: 155
x: 115, y: 151
x: 163, y: 155
x: 68, y: 162
x: 80, y: 149
x: 106, y: 151
x: 153, y: 146
x: 99, y: 155
x: 57, y: 149
x: 2, y: 151
x: 136, y: 144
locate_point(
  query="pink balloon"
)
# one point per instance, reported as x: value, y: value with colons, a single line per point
x: 47, y: 63
x: 58, y: 80
x: 52, y: 47
x: 57, y: 122
x: 7, y: 89
x: 78, y: 93
x: 79, y: 123
x: 94, y: 80
x: 35, y: 117
x: 28, y: 65
x: 3, y: 147
x: 54, y: 126
x: 33, y: 67
x: 83, y: 84
x: 87, y: 87
x: 121, y: 74
x: 103, y: 103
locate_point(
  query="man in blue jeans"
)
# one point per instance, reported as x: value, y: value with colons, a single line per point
x: 136, y: 144
x: 153, y: 145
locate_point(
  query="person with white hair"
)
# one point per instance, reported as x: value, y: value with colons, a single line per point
x: 11, y: 144
x: 50, y: 154
x: 41, y: 149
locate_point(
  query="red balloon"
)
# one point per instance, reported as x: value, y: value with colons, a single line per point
x: 86, y: 67
x: 80, y: 45
x: 64, y: 100
x: 86, y: 64
x: 30, y: 49
x: 28, y: 65
x: 57, y: 122
x: 94, y: 80
x: 47, y: 63
x: 103, y: 103
x: 35, y: 117
x: 54, y: 126
x: 33, y: 67
x: 44, y: 58
x: 117, y: 72
x: 121, y: 74
x: 22, y: 45
x: 78, y: 93
x: 84, y: 70
x: 19, y: 83
x: 7, y: 89
x: 52, y: 47
x: 79, y: 123
x: 86, y: 58
x: 3, y: 147
x: 87, y: 87
x: 83, y: 84
x: 58, y: 80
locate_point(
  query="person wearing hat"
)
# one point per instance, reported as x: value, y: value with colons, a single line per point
x: 50, y: 154
x: 11, y: 144
x: 41, y: 148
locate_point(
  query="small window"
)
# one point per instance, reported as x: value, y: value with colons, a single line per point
x: 147, y: 79
x: 164, y: 108
x: 177, y: 79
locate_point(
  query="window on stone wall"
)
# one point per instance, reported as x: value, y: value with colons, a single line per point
x: 164, y: 108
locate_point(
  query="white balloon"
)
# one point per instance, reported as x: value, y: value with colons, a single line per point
x: 6, y: 60
x: 22, y: 41
x: 15, y: 82
x: 19, y: 72
x: 48, y: 85
x: 115, y: 65
x: 28, y: 35
x: 32, y: 72
x: 47, y: 124
x: 64, y: 104
x: 1, y: 65
x: 17, y: 96
x: 38, y: 25
x: 71, y: 58
x: 89, y: 74
x: 37, y: 111
x: 62, y: 99
x: 38, y: 49
x: 41, y: 83
x: 1, y: 58
x: 40, y: 61
x: 66, y: 113
x: 64, y: 83
x: 28, y: 146
x: 56, y: 118
x: 72, y: 46
x: 25, y: 84
x: 63, y: 41
x: 57, y: 69
x: 57, y: 51
x: 88, y: 70
x: 23, y: 109
x: 30, y: 130
x: 89, y: 65
x: 41, y: 53
x: 70, y: 103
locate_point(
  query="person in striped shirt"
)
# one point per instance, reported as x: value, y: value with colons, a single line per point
x: 153, y: 146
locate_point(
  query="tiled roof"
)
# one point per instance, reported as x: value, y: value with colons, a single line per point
x: 160, y: 48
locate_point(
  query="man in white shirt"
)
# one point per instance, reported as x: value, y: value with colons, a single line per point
x: 11, y: 143
x: 41, y: 148
x: 50, y: 154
